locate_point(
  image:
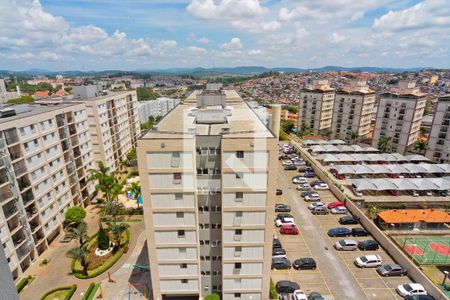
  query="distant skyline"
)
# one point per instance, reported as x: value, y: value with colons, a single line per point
x: 159, y: 34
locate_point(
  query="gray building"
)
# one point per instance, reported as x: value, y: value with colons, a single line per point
x: 439, y: 139
x: 155, y: 108
x: 7, y: 288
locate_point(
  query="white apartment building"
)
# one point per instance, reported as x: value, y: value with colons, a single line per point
x: 399, y: 116
x: 315, y: 110
x: 352, y: 111
x: 7, y: 286
x: 45, y: 152
x: 208, y: 182
x: 113, y: 125
x: 155, y: 108
x: 439, y: 138
x: 5, y: 95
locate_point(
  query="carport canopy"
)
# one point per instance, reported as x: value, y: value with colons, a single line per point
x: 419, y: 184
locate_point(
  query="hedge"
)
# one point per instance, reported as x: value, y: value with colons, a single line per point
x: 70, y: 291
x: 77, y: 269
x: 22, y: 283
x: 273, y: 291
x: 94, y: 291
x: 88, y: 291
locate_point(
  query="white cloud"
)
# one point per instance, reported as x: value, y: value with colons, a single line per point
x: 337, y: 38
x: 234, y: 44
x: 203, y: 40
x: 49, y: 56
x: 226, y: 9
x: 198, y: 51
x: 255, y: 52
x: 192, y: 38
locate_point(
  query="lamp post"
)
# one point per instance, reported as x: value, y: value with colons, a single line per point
x: 445, y: 278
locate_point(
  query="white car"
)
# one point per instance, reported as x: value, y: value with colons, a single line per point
x: 411, y: 289
x: 284, y: 221
x: 339, y: 210
x: 299, y: 162
x: 299, y: 295
x: 299, y: 180
x: 303, y: 187
x: 316, y: 204
x: 368, y: 261
x: 321, y: 186
x: 312, y: 197
x: 287, y: 163
x: 357, y: 193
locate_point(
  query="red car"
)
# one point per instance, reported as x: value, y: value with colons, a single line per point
x: 335, y: 204
x: 289, y: 229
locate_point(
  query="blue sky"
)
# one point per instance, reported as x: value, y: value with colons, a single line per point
x: 154, y: 34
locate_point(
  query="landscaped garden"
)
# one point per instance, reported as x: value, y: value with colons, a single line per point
x: 62, y: 293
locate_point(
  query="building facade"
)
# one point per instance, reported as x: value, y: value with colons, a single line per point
x: 399, y: 117
x: 208, y: 194
x: 45, y: 152
x: 114, y: 126
x: 439, y: 138
x: 7, y: 286
x: 154, y: 108
x: 315, y: 110
x: 352, y: 110
x: 5, y: 95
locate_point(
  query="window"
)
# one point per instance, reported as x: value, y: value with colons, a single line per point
x: 180, y: 215
x: 183, y: 266
x: 182, y: 250
x: 181, y: 233
x: 176, y: 177
x: 239, y: 175
x: 175, y: 159
x: 238, y: 232
x: 239, y: 196
x: 184, y: 281
x: 240, y: 154
x: 238, y: 265
x: 238, y: 214
x: 237, y: 295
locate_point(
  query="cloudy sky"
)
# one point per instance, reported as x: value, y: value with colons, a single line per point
x: 152, y: 34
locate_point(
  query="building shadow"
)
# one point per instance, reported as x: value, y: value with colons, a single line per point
x: 140, y: 278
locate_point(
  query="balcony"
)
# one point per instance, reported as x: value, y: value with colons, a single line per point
x: 13, y: 224
x: 5, y: 193
x: 31, y: 210
x: 27, y: 197
x: 72, y: 129
x: 18, y: 238
x: 38, y: 236
x: 15, y: 152
x: 23, y: 182
x: 19, y: 168
x: 11, y: 136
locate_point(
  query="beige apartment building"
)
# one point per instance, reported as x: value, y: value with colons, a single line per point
x: 208, y: 175
x: 352, y: 111
x: 399, y: 116
x: 113, y: 123
x: 315, y: 109
x: 45, y: 152
x: 439, y: 139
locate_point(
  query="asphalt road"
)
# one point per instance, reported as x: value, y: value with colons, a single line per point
x: 338, y: 277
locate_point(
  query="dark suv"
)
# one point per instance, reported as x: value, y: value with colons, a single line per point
x: 359, y: 232
x: 368, y: 245
x: 280, y: 263
x: 276, y: 244
x: 348, y: 220
x: 286, y: 286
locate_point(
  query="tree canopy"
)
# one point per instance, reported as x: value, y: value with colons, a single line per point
x: 75, y: 214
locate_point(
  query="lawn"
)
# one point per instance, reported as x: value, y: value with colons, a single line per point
x: 58, y: 295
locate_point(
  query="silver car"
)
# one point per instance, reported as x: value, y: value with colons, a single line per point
x: 346, y: 245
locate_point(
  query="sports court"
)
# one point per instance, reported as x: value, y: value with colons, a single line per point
x: 427, y: 250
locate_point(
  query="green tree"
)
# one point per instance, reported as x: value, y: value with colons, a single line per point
x: 373, y: 211
x: 145, y: 93
x: 327, y: 133
x: 75, y: 214
x: 287, y: 125
x: 273, y: 291
x: 421, y: 146
x: 79, y: 233
x: 212, y: 296
x: 117, y: 231
x: 354, y: 135
x: 106, y: 181
x: 385, y: 143
x: 102, y: 238
x: 112, y: 208
x: 80, y: 254
x: 135, y: 189
x: 131, y: 155
x: 303, y: 131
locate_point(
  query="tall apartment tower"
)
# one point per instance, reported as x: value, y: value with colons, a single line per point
x: 399, y: 116
x: 45, y: 152
x: 439, y: 139
x: 7, y: 286
x: 352, y: 111
x: 113, y: 124
x: 208, y: 183
x: 315, y: 109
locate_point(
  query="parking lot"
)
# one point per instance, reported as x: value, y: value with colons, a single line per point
x: 336, y: 276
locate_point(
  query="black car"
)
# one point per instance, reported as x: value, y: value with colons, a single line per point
x: 278, y: 251
x: 279, y: 192
x: 280, y: 263
x: 289, y: 168
x: 339, y: 231
x: 305, y: 263
x: 276, y: 244
x: 304, y: 169
x: 359, y: 232
x: 307, y: 193
x: 286, y: 286
x: 368, y: 245
x: 419, y: 297
x: 391, y: 270
x: 316, y: 182
x: 282, y: 216
x: 348, y: 220
x: 315, y: 296
x: 282, y: 207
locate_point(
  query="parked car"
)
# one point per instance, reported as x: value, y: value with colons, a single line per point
x: 305, y: 169
x: 391, y: 270
x: 276, y: 244
x: 368, y: 261
x: 280, y: 263
x: 316, y: 204
x: 278, y: 252
x: 348, y: 220
x: 339, y: 231
x: 284, y: 296
x: 411, y: 289
x: 316, y: 182
x: 289, y: 229
x: 299, y: 179
x: 305, y: 263
x: 310, y: 175
x: 368, y: 245
x: 290, y: 168
x: 284, y: 221
x: 357, y: 193
x: 299, y: 295
x: 279, y: 192
x: 304, y: 187
x: 299, y: 162
x: 287, y: 163
x: 444, y: 193
x: 320, y: 210
x: 414, y: 193
x: 286, y: 286
x: 335, y: 204
x: 315, y: 296
x: 339, y: 210
x: 312, y: 197
x: 282, y: 207
x: 359, y: 232
x: 304, y: 194
x: 346, y: 245
x: 425, y: 193
x: 321, y: 186
x: 419, y: 297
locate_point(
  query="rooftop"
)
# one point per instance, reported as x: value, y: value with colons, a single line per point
x: 414, y: 215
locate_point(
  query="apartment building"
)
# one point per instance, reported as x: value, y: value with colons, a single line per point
x: 7, y: 286
x: 114, y: 125
x: 45, y: 152
x: 352, y: 111
x: 315, y: 110
x: 155, y: 108
x: 399, y: 116
x: 208, y: 175
x: 5, y: 95
x: 439, y: 138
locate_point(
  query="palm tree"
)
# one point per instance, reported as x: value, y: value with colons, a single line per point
x: 80, y: 254
x: 112, y: 208
x: 79, y: 232
x: 354, y: 135
x: 117, y: 230
x: 421, y: 146
x: 106, y: 181
x: 384, y: 144
x: 135, y: 189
